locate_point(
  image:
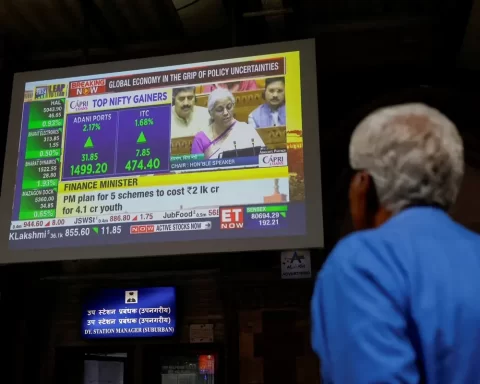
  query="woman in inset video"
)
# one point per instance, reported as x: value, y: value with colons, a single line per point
x: 224, y: 133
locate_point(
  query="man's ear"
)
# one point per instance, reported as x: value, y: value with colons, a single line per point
x: 361, y: 200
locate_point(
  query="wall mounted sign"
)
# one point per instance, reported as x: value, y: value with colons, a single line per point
x: 296, y: 265
x: 127, y: 313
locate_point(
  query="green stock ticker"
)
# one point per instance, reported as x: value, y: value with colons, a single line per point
x: 141, y: 138
x: 281, y: 209
x: 46, y: 114
x: 89, y: 143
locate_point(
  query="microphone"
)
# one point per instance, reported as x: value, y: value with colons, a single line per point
x: 235, y: 146
x: 253, y: 146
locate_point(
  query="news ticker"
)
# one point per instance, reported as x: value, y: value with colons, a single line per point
x: 119, y: 218
x: 142, y: 223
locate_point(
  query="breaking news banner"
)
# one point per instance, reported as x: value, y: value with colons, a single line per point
x: 184, y: 76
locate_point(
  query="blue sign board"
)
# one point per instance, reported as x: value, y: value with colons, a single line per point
x: 120, y: 313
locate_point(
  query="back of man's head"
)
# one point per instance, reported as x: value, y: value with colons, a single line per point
x: 413, y: 153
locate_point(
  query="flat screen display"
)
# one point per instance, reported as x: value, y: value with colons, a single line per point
x: 178, y: 158
x: 130, y: 313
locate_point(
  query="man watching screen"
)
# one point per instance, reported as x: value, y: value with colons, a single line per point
x: 397, y: 301
x: 272, y: 112
x: 187, y: 118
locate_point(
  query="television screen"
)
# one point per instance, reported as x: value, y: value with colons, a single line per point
x: 206, y: 152
x: 120, y: 313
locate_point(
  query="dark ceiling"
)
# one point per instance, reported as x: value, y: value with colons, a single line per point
x: 43, y: 32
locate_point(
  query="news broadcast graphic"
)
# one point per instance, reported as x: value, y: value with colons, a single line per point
x: 204, y: 151
x: 130, y: 313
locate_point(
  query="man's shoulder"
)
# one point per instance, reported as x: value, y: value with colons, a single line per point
x: 258, y: 110
x: 362, y: 249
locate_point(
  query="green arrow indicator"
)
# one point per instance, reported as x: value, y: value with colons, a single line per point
x: 95, y: 229
x: 141, y: 138
x: 88, y: 143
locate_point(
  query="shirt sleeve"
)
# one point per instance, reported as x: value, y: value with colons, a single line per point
x: 251, y: 121
x: 359, y: 321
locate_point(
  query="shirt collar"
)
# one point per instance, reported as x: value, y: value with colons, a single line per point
x: 186, y: 121
x: 270, y: 110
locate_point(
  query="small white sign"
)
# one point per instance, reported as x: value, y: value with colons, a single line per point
x: 131, y: 297
x: 296, y: 265
x: 272, y: 160
x: 201, y: 333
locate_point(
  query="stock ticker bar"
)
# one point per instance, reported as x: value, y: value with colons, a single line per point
x: 42, y: 159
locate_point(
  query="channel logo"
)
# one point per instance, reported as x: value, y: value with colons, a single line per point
x: 142, y: 229
x: 57, y: 90
x: 87, y: 88
x: 231, y: 218
x: 40, y: 92
x: 272, y: 160
x: 78, y: 105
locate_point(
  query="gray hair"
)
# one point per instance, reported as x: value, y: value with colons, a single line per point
x: 218, y: 94
x: 413, y: 153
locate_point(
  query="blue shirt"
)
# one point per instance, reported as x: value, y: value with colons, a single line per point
x: 263, y: 116
x: 401, y: 304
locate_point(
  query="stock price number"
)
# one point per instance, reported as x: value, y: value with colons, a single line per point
x: 53, y: 108
x: 49, y: 153
x: 143, y: 164
x: 145, y: 152
x: 52, y: 141
x: 119, y: 218
x: 111, y: 230
x: 32, y: 224
x: 44, y: 199
x: 90, y: 156
x: 268, y: 222
x: 75, y: 232
x: 88, y: 169
x: 44, y: 214
x: 51, y: 168
x: 52, y: 123
x: 265, y: 215
x: 47, y: 183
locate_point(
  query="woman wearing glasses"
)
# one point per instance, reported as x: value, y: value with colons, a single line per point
x: 224, y: 133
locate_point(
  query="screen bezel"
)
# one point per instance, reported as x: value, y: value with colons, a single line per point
x: 314, y: 238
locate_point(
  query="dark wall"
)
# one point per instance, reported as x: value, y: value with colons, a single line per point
x: 241, y: 296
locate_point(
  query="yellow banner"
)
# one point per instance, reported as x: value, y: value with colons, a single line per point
x: 176, y: 179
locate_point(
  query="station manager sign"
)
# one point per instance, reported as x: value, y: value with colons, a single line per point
x: 120, y: 313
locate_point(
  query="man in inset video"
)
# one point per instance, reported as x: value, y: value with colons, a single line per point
x: 272, y: 112
x: 187, y: 118
x: 398, y: 300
